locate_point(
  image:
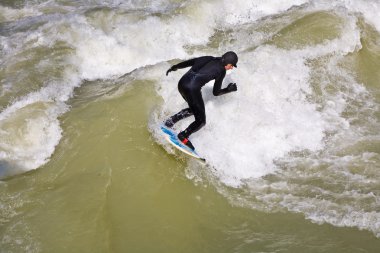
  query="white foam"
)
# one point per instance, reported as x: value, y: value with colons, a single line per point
x: 108, y: 45
x: 242, y: 11
x: 28, y: 144
x: 324, y: 211
x: 124, y: 44
x: 270, y: 115
x: 250, y: 132
x: 30, y: 129
x: 130, y: 44
x: 324, y: 190
x: 369, y: 9
x: 29, y: 126
x: 265, y: 120
x: 8, y: 14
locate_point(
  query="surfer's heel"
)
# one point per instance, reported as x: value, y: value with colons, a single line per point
x: 185, y: 141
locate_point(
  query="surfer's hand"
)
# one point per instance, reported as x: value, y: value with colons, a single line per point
x: 232, y: 87
x: 171, y: 69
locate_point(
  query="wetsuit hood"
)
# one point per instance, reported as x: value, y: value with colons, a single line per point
x: 230, y: 58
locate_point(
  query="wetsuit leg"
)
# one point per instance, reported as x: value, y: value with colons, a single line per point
x: 178, y: 116
x: 197, y: 107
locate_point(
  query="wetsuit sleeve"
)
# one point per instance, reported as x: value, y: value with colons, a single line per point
x: 184, y: 64
x: 197, y: 63
x: 217, y: 91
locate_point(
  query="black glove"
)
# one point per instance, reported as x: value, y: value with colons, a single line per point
x: 232, y: 87
x: 171, y: 69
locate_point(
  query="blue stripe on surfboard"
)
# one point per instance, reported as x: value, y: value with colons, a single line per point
x: 174, y: 139
x: 168, y: 131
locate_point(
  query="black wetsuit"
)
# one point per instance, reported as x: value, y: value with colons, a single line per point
x: 203, y: 70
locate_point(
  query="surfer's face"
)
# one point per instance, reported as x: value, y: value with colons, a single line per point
x: 229, y: 66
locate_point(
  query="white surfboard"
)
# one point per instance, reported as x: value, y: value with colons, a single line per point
x: 172, y: 138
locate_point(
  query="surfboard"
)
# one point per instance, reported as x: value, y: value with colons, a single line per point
x: 171, y: 137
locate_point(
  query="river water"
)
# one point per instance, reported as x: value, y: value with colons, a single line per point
x: 293, y: 157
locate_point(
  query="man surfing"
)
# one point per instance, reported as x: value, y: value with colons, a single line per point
x: 203, y: 69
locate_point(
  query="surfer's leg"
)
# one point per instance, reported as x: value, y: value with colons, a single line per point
x: 185, y: 88
x: 197, y: 106
x: 178, y: 116
x: 198, y: 109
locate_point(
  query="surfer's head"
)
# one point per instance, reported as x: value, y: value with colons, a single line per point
x: 229, y: 60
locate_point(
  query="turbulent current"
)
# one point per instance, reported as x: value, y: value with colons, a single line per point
x: 83, y: 92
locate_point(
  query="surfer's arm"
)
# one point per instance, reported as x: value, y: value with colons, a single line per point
x: 217, y: 90
x: 198, y: 62
x: 181, y: 65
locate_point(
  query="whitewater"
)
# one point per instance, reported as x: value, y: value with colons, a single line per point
x: 301, y: 134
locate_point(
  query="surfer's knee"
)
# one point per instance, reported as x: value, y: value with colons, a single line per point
x: 201, y: 121
x: 200, y: 116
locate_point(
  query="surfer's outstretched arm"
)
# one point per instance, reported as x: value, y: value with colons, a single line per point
x: 198, y: 62
x: 181, y: 65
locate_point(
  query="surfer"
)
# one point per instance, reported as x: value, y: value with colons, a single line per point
x: 203, y: 69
